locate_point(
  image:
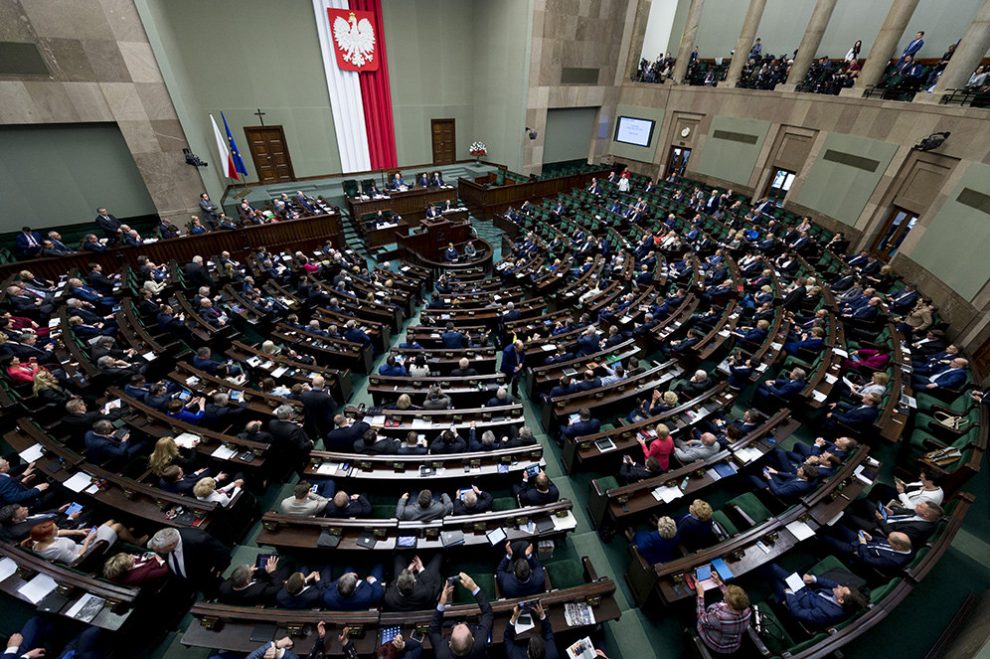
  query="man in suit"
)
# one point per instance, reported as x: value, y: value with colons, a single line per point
x: 951, y: 377
x: 585, y: 425
x: 303, y: 590
x: 318, y: 407
x: 211, y: 213
x: 786, y: 485
x: 860, y: 417
x: 193, y: 556
x: 917, y: 524
x: 520, y: 576
x: 473, y: 502
x: 355, y: 334
x: 344, y: 505
x: 352, y: 593
x: 103, y: 447
x: 539, y: 492
x: 537, y: 647
x: 28, y: 243
x: 346, y: 431
x: 108, y: 224
x: 821, y: 603
x: 219, y: 413
x: 437, y: 180
x: 786, y: 389
x: 196, y: 273
x: 414, y: 586
x: 249, y: 586
x: 688, y: 451
x: 888, y: 555
x: 463, y: 369
x: 426, y: 509
x: 464, y: 641
x: 175, y: 480
x: 289, y: 440
x: 14, y: 489
x: 631, y: 472
x: 513, y: 361
x: 914, y: 45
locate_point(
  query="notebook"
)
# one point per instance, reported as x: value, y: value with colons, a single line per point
x: 367, y: 541
x: 452, y: 538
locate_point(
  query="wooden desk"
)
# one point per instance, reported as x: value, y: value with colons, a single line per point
x: 408, y: 204
x: 486, y: 201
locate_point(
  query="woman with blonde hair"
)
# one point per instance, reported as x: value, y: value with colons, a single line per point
x: 658, y: 546
x: 167, y: 453
x: 206, y: 489
x: 135, y: 569
x: 696, y: 529
x: 47, y: 388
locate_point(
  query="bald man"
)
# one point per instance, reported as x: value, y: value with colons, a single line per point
x: 464, y: 640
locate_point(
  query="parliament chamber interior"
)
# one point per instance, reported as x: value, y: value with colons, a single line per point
x: 494, y: 328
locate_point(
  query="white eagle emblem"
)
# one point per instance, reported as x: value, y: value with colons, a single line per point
x: 355, y: 39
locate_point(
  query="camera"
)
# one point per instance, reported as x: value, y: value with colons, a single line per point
x: 193, y: 159
x: 456, y: 579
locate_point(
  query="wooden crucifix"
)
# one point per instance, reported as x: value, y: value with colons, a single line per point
x: 261, y: 114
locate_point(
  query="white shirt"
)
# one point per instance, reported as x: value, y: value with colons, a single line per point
x: 913, y: 495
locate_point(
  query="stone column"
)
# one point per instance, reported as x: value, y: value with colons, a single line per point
x: 636, y: 42
x: 808, y: 47
x: 967, y: 57
x: 884, y: 46
x: 745, y: 41
x: 687, y: 40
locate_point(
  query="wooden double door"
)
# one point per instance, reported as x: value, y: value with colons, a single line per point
x: 270, y: 153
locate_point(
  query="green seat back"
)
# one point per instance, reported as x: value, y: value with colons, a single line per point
x: 504, y: 503
x: 383, y: 511
x: 752, y: 506
x: 607, y: 483
x: 828, y: 563
x: 880, y: 592
x: 565, y: 574
x: 723, y: 520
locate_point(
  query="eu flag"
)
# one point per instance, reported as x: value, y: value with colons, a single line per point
x: 234, y: 151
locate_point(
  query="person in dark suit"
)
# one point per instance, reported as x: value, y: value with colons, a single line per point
x: 952, y: 376
x: 631, y: 472
x: 696, y: 530
x: 289, y: 440
x: 660, y: 546
x: 318, y: 407
x: 219, y: 413
x: 108, y: 224
x: 196, y: 273
x: 344, y: 505
x: 211, y: 213
x: 520, y: 576
x: 786, y: 485
x: 345, y: 433
x: 513, y: 362
x: 822, y: 602
x: 103, y: 447
x: 249, y: 586
x: 195, y: 557
x: 537, y: 647
x: 303, y: 589
x: 453, y: 339
x: 473, y: 502
x: 415, y: 586
x: 786, y: 389
x: 464, y: 641
x: 352, y: 593
x: 888, y: 556
x: 463, y: 369
x: 174, y: 479
x: 860, y: 417
x: 583, y: 426
x: 13, y: 489
x: 27, y: 243
x: 537, y: 491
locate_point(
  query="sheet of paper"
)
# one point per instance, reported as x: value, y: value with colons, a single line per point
x: 32, y: 453
x: 800, y: 530
x: 86, y: 607
x: 795, y: 582
x: 840, y: 352
x: 79, y: 481
x: 831, y: 379
x: 38, y: 588
x: 328, y: 468
x: 7, y: 567
x: 524, y: 624
x: 187, y: 440
x: 280, y: 371
x: 224, y: 453
x: 818, y: 396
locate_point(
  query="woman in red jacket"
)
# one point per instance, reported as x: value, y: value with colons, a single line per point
x: 660, y: 448
x: 23, y: 372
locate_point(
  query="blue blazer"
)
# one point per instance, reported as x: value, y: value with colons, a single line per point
x: 786, y: 389
x: 99, y: 449
x: 786, y: 485
x: 581, y: 428
x: 394, y: 371
x: 809, y: 607
x: 511, y: 359
x: 365, y: 596
x: 655, y: 549
x: 695, y: 534
x: 22, y: 243
x: 12, y: 491
x: 880, y: 556
x: 863, y: 415
x: 952, y: 378
x: 454, y: 339
x: 512, y: 587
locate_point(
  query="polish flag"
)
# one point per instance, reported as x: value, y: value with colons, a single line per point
x: 226, y: 160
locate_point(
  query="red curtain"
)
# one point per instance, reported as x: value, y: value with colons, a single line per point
x: 377, y: 97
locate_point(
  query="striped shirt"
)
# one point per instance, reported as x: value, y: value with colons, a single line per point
x: 720, y: 627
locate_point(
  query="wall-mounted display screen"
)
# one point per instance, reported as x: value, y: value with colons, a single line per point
x: 630, y: 130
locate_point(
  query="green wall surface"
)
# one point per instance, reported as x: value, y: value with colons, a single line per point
x: 727, y: 159
x: 961, y: 263
x: 431, y: 51
x: 267, y: 56
x: 568, y: 134
x: 840, y: 190
x: 502, y: 41
x: 631, y: 151
x: 52, y: 175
